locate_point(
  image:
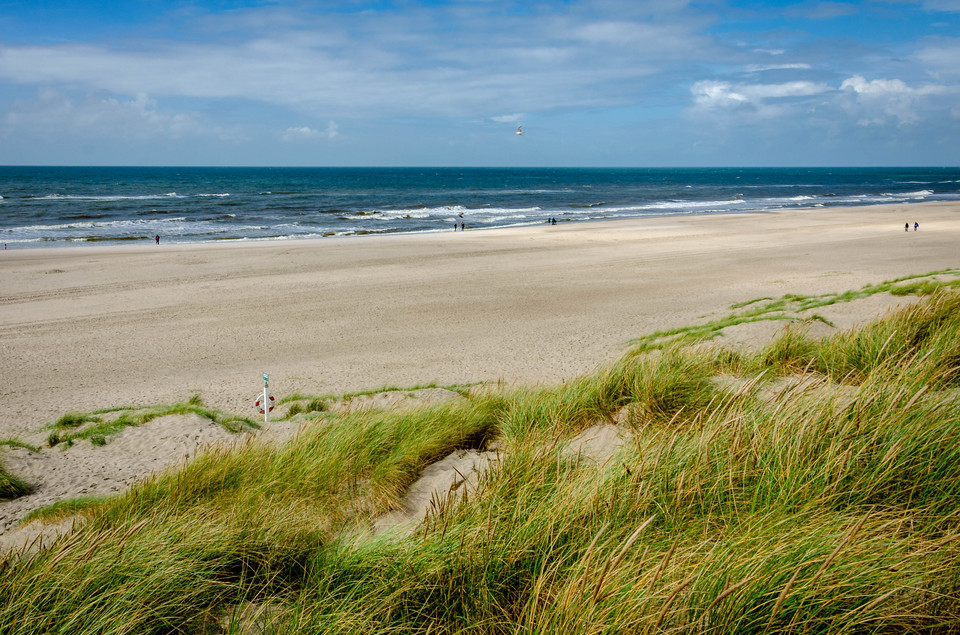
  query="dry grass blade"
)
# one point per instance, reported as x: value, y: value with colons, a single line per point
x: 612, y: 565
x: 588, y: 555
x: 843, y: 543
x: 670, y: 598
x: 725, y: 593
x: 783, y: 595
x: 663, y: 563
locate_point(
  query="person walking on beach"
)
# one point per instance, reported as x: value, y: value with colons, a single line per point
x: 157, y: 238
x: 906, y: 227
x: 915, y: 226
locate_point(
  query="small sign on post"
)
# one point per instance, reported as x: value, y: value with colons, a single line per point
x: 264, y: 403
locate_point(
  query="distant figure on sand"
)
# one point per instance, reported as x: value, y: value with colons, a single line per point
x: 915, y: 226
x: 157, y: 238
x: 906, y: 227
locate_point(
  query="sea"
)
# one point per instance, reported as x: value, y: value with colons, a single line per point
x: 76, y: 206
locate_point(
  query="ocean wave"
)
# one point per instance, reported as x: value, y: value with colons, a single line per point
x: 681, y: 205
x: 749, y: 186
x: 115, y: 224
x: 420, y: 213
x: 917, y: 194
x: 445, y: 212
x: 80, y: 197
x: 587, y: 205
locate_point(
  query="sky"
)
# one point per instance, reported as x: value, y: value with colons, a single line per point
x: 594, y: 83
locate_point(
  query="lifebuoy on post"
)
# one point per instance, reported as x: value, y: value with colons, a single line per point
x: 260, y: 405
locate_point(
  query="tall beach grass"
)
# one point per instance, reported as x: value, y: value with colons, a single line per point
x: 811, y: 487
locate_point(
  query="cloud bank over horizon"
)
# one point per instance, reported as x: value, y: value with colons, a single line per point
x: 599, y: 83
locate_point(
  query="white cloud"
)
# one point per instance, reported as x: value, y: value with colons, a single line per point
x: 879, y: 101
x: 939, y: 58
x: 875, y: 88
x: 760, y: 92
x: 759, y: 68
x: 711, y: 94
x: 868, y: 102
x: 303, y: 133
x: 893, y: 101
x: 761, y: 99
x: 384, y: 63
x: 54, y: 114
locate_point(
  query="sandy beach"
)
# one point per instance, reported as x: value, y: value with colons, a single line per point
x: 96, y: 327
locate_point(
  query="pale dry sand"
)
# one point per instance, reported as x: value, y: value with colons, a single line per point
x: 94, y: 327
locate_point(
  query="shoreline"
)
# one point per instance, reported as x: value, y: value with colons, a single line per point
x: 146, y: 242
x: 103, y: 326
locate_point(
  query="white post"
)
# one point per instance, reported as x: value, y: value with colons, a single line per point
x: 266, y: 401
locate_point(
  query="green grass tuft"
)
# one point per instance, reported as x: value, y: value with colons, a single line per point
x: 317, y: 404
x: 11, y: 486
x: 75, y: 420
x: 16, y: 443
x: 94, y: 426
x: 66, y: 508
x: 793, y: 308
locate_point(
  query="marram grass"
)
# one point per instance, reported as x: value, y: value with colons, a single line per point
x: 792, y: 308
x: 817, y: 491
x: 74, y: 426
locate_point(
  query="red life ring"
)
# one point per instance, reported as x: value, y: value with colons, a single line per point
x: 259, y: 405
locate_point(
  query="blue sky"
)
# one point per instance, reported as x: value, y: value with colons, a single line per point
x: 445, y: 83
